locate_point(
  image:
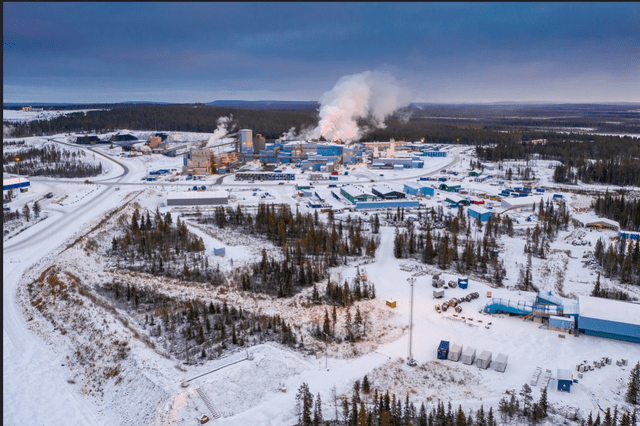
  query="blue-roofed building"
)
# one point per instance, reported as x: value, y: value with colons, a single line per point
x: 332, y: 150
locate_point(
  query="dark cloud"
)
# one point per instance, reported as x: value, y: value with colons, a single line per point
x: 204, y: 51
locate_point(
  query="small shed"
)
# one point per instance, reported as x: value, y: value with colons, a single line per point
x: 500, y: 362
x: 468, y: 355
x: 443, y: 349
x: 219, y: 251
x: 560, y: 323
x: 484, y: 359
x: 455, y: 351
x: 437, y: 294
x: 564, y: 380
x: 391, y: 303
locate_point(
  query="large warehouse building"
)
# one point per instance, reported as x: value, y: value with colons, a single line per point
x: 521, y: 203
x: 197, y: 198
x: 12, y: 183
x: 609, y: 318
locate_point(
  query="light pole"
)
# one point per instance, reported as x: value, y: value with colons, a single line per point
x: 410, y: 361
x: 17, y: 159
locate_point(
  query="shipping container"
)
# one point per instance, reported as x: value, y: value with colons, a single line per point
x: 443, y: 349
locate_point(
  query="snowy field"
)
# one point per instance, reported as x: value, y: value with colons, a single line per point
x: 18, y: 116
x: 43, y: 385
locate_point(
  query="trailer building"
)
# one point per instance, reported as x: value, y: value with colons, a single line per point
x: 387, y: 204
x: 199, y: 198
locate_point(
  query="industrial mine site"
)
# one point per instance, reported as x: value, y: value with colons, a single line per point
x: 321, y: 275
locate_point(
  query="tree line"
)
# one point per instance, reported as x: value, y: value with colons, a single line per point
x: 622, y: 262
x: 622, y: 209
x: 369, y: 406
x: 589, y: 158
x: 49, y: 161
x: 170, y: 118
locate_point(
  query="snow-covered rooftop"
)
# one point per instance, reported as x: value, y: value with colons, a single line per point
x: 609, y: 310
x: 197, y: 194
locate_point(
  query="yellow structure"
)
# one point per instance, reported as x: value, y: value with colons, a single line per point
x: 391, y: 303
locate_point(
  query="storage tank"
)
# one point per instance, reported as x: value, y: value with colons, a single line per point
x: 246, y: 141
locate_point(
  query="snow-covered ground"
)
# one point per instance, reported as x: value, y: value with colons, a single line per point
x: 42, y: 386
x: 17, y: 116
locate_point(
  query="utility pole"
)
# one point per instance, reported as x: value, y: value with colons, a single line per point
x: 410, y: 361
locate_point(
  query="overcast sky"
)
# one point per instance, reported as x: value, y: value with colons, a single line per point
x: 201, y: 52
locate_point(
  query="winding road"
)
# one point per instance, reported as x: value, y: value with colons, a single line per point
x: 35, y: 388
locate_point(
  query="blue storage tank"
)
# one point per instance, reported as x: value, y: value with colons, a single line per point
x: 463, y: 283
x: 443, y: 349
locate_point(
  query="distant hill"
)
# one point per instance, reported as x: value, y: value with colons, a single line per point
x: 270, y: 105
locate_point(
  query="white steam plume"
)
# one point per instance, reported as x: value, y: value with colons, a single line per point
x: 291, y: 134
x: 7, y: 130
x: 371, y: 94
x: 221, y: 130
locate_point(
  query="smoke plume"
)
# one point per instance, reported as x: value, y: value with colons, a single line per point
x: 222, y: 129
x: 373, y: 95
x: 7, y: 130
x: 291, y: 134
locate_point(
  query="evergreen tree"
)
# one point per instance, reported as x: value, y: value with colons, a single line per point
x: 26, y: 211
x: 317, y: 413
x: 422, y: 417
x: 633, y: 388
x: 366, y: 387
x: 36, y: 209
x: 362, y: 416
x: 326, y: 326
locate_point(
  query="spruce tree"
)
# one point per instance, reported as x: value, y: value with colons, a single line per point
x: 543, y: 402
x: 366, y: 387
x: 633, y: 388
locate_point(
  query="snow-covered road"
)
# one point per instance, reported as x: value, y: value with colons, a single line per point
x: 35, y: 388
